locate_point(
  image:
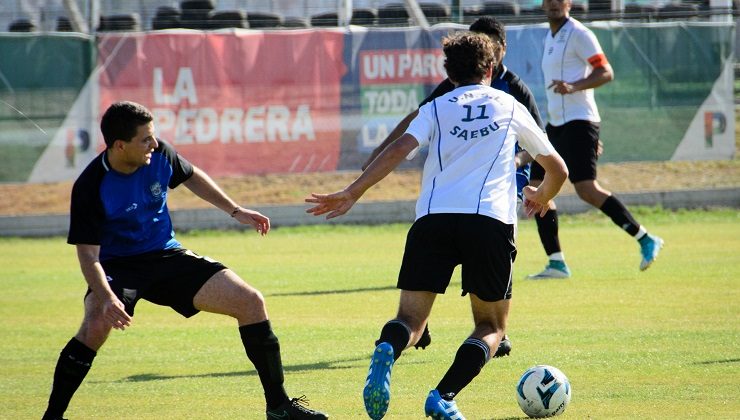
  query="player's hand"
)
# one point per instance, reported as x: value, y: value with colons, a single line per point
x: 257, y: 220
x: 114, y: 312
x: 335, y: 204
x: 562, y: 87
x: 533, y: 203
x: 599, y: 148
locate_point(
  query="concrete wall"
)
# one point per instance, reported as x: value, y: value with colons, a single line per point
x: 366, y: 213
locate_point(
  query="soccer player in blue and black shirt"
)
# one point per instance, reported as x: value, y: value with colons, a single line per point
x: 127, y: 251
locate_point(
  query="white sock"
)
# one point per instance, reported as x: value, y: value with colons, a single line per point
x: 640, y: 233
x: 557, y: 256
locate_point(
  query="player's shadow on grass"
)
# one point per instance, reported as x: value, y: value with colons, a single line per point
x: 508, y: 418
x: 343, y: 291
x: 717, y: 362
x: 332, y: 292
x: 332, y: 365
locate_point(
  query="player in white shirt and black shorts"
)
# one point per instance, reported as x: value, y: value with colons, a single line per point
x: 465, y: 215
x: 574, y: 64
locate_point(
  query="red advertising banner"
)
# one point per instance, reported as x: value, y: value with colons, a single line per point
x: 234, y: 102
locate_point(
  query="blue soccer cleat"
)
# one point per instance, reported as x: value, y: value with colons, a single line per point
x: 377, y: 392
x: 649, y: 248
x: 553, y: 270
x: 438, y: 408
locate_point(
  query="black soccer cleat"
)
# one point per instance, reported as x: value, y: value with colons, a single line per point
x: 424, y: 340
x: 295, y: 409
x: 504, y: 347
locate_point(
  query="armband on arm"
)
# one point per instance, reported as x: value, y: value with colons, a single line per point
x: 598, y: 60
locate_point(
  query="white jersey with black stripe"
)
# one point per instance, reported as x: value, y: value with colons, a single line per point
x: 565, y: 58
x: 471, y: 133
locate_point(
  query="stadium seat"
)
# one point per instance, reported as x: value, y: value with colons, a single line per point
x: 645, y: 12
x: 115, y: 23
x: 295, y: 22
x: 678, y: 11
x: 500, y: 8
x: 601, y: 10
x: 167, y: 17
x: 471, y: 13
x: 580, y: 10
x: 197, y: 5
x: 393, y: 14
x: 22, y: 25
x: 228, y: 19
x: 329, y: 19
x: 264, y: 20
x: 196, y: 13
x: 64, y: 25
x: 364, y: 17
x: 533, y: 13
x: 435, y: 12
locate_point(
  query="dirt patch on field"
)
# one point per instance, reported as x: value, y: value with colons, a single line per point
x: 25, y: 199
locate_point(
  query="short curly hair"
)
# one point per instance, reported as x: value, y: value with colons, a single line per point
x: 468, y: 55
x: 490, y: 26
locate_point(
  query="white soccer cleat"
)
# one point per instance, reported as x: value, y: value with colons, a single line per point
x: 553, y: 270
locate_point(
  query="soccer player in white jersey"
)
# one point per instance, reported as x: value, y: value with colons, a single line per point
x: 465, y: 215
x: 574, y: 65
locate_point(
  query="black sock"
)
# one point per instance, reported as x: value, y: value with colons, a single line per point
x: 263, y: 350
x: 547, y: 226
x: 619, y: 214
x: 73, y: 364
x: 469, y: 360
x: 396, y: 333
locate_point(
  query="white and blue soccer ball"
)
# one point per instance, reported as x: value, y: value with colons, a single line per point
x: 543, y: 391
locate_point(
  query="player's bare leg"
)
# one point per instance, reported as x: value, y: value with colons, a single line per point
x: 226, y: 293
x: 490, y: 327
x: 76, y: 358
x: 591, y: 192
x: 397, y: 334
x: 547, y: 227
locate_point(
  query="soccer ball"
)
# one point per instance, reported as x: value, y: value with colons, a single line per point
x: 543, y: 391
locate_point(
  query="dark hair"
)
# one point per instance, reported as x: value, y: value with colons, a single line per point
x: 467, y: 56
x: 490, y: 26
x: 121, y: 120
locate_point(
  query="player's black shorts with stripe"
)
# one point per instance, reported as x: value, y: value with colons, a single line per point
x: 170, y: 277
x: 437, y: 243
x: 577, y: 142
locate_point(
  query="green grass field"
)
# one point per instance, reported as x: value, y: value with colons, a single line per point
x: 663, y: 344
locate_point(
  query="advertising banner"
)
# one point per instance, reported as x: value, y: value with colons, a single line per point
x: 389, y: 73
x: 234, y: 102
x: 238, y: 102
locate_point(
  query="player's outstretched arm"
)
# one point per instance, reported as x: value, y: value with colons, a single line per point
x: 339, y: 203
x: 537, y: 199
x: 206, y: 188
x: 394, y: 134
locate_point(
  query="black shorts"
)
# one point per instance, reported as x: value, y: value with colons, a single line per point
x: 577, y: 142
x: 170, y: 277
x: 437, y: 243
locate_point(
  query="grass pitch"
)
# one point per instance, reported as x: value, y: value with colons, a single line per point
x: 663, y: 344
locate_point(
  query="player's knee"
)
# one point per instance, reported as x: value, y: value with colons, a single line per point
x: 588, y: 194
x: 252, y: 301
x: 93, y: 332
